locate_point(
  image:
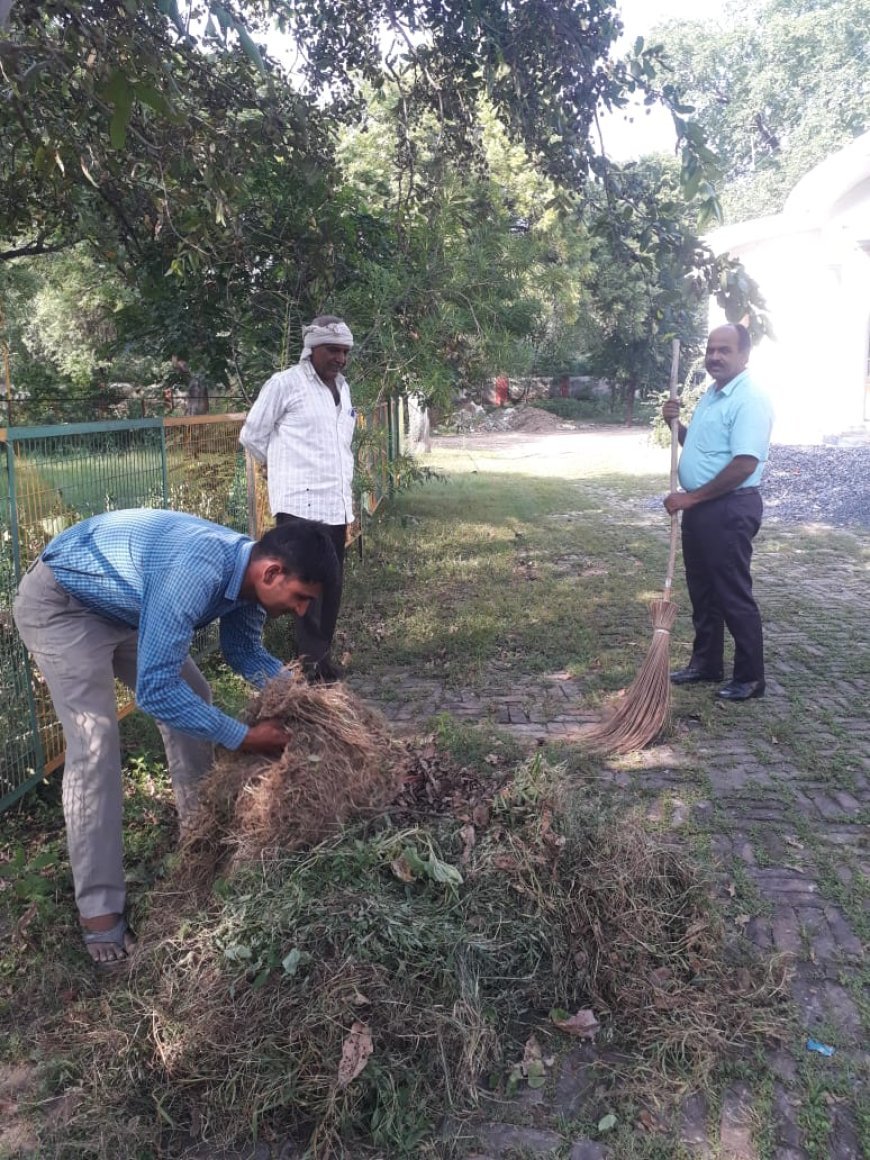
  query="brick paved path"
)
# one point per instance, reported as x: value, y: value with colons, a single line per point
x: 779, y: 790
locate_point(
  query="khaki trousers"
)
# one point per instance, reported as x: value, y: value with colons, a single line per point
x: 80, y: 654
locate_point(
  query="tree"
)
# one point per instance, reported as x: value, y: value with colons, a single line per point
x: 641, y: 295
x: 207, y: 179
x: 482, y: 270
x: 777, y: 86
x: 650, y: 283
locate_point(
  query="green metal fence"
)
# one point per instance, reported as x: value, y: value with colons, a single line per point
x: 56, y: 476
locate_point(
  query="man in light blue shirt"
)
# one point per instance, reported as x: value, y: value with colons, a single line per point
x: 120, y: 596
x: 724, y: 451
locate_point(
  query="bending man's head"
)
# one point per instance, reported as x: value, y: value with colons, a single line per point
x: 289, y: 567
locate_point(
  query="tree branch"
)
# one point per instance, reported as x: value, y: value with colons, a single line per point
x: 32, y: 249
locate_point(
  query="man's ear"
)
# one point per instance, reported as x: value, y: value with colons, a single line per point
x: 272, y: 571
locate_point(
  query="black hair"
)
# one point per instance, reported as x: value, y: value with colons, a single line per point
x: 303, y: 549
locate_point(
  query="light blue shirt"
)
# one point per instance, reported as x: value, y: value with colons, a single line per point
x: 734, y: 420
x: 167, y: 574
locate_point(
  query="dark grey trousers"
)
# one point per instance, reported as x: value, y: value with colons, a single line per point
x: 717, y: 552
x: 315, y: 630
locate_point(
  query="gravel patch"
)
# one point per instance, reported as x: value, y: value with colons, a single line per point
x: 818, y: 485
x: 824, y: 484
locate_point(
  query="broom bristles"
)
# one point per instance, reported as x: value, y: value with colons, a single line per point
x: 644, y: 710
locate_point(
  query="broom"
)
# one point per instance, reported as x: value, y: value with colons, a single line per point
x: 645, y: 708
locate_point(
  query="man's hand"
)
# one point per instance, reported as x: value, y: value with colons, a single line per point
x: 678, y: 501
x: 268, y: 737
x: 671, y: 410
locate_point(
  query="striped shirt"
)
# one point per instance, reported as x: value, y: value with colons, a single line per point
x: 296, y: 429
x: 167, y: 574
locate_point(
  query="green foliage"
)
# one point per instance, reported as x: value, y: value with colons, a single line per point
x: 442, y: 192
x: 62, y: 320
x: 25, y: 875
x: 776, y: 86
x: 641, y: 295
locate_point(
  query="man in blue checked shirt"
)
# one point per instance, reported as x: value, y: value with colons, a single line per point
x: 121, y: 595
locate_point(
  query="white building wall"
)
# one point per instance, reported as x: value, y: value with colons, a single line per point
x: 813, y: 269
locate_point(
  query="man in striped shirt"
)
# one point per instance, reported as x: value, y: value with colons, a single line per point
x: 120, y: 595
x: 301, y: 426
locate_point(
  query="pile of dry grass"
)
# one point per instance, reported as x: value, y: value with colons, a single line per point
x: 650, y: 943
x: 635, y: 933
x: 343, y: 763
x: 430, y: 942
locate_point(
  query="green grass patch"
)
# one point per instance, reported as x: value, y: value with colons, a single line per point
x: 476, y: 572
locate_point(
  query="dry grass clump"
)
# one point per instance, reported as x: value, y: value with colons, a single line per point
x: 343, y: 762
x: 236, y: 1022
x: 635, y: 933
x: 651, y: 946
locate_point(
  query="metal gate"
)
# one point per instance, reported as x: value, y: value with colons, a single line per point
x: 56, y: 476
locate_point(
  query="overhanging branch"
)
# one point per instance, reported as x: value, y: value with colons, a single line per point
x: 32, y: 250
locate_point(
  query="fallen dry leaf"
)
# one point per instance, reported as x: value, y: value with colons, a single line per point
x: 505, y: 862
x: 480, y: 815
x: 469, y: 837
x: 648, y: 1121
x: 582, y: 1025
x: 401, y: 868
x: 23, y: 924
x: 354, y: 1053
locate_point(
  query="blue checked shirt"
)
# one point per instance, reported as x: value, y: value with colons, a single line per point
x: 167, y: 574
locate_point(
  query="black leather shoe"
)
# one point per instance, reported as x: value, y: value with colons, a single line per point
x: 691, y: 676
x: 741, y: 690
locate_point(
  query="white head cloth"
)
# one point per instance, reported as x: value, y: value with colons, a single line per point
x: 332, y: 334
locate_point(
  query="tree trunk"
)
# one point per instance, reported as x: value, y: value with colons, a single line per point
x: 630, y: 390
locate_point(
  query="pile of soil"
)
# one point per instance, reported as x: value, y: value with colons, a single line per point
x: 531, y: 419
x: 534, y: 419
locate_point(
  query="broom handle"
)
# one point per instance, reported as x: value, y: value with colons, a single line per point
x: 675, y: 427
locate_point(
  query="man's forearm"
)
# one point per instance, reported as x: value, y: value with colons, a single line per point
x: 729, y: 479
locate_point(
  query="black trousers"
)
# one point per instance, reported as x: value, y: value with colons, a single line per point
x: 717, y: 552
x: 315, y: 630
